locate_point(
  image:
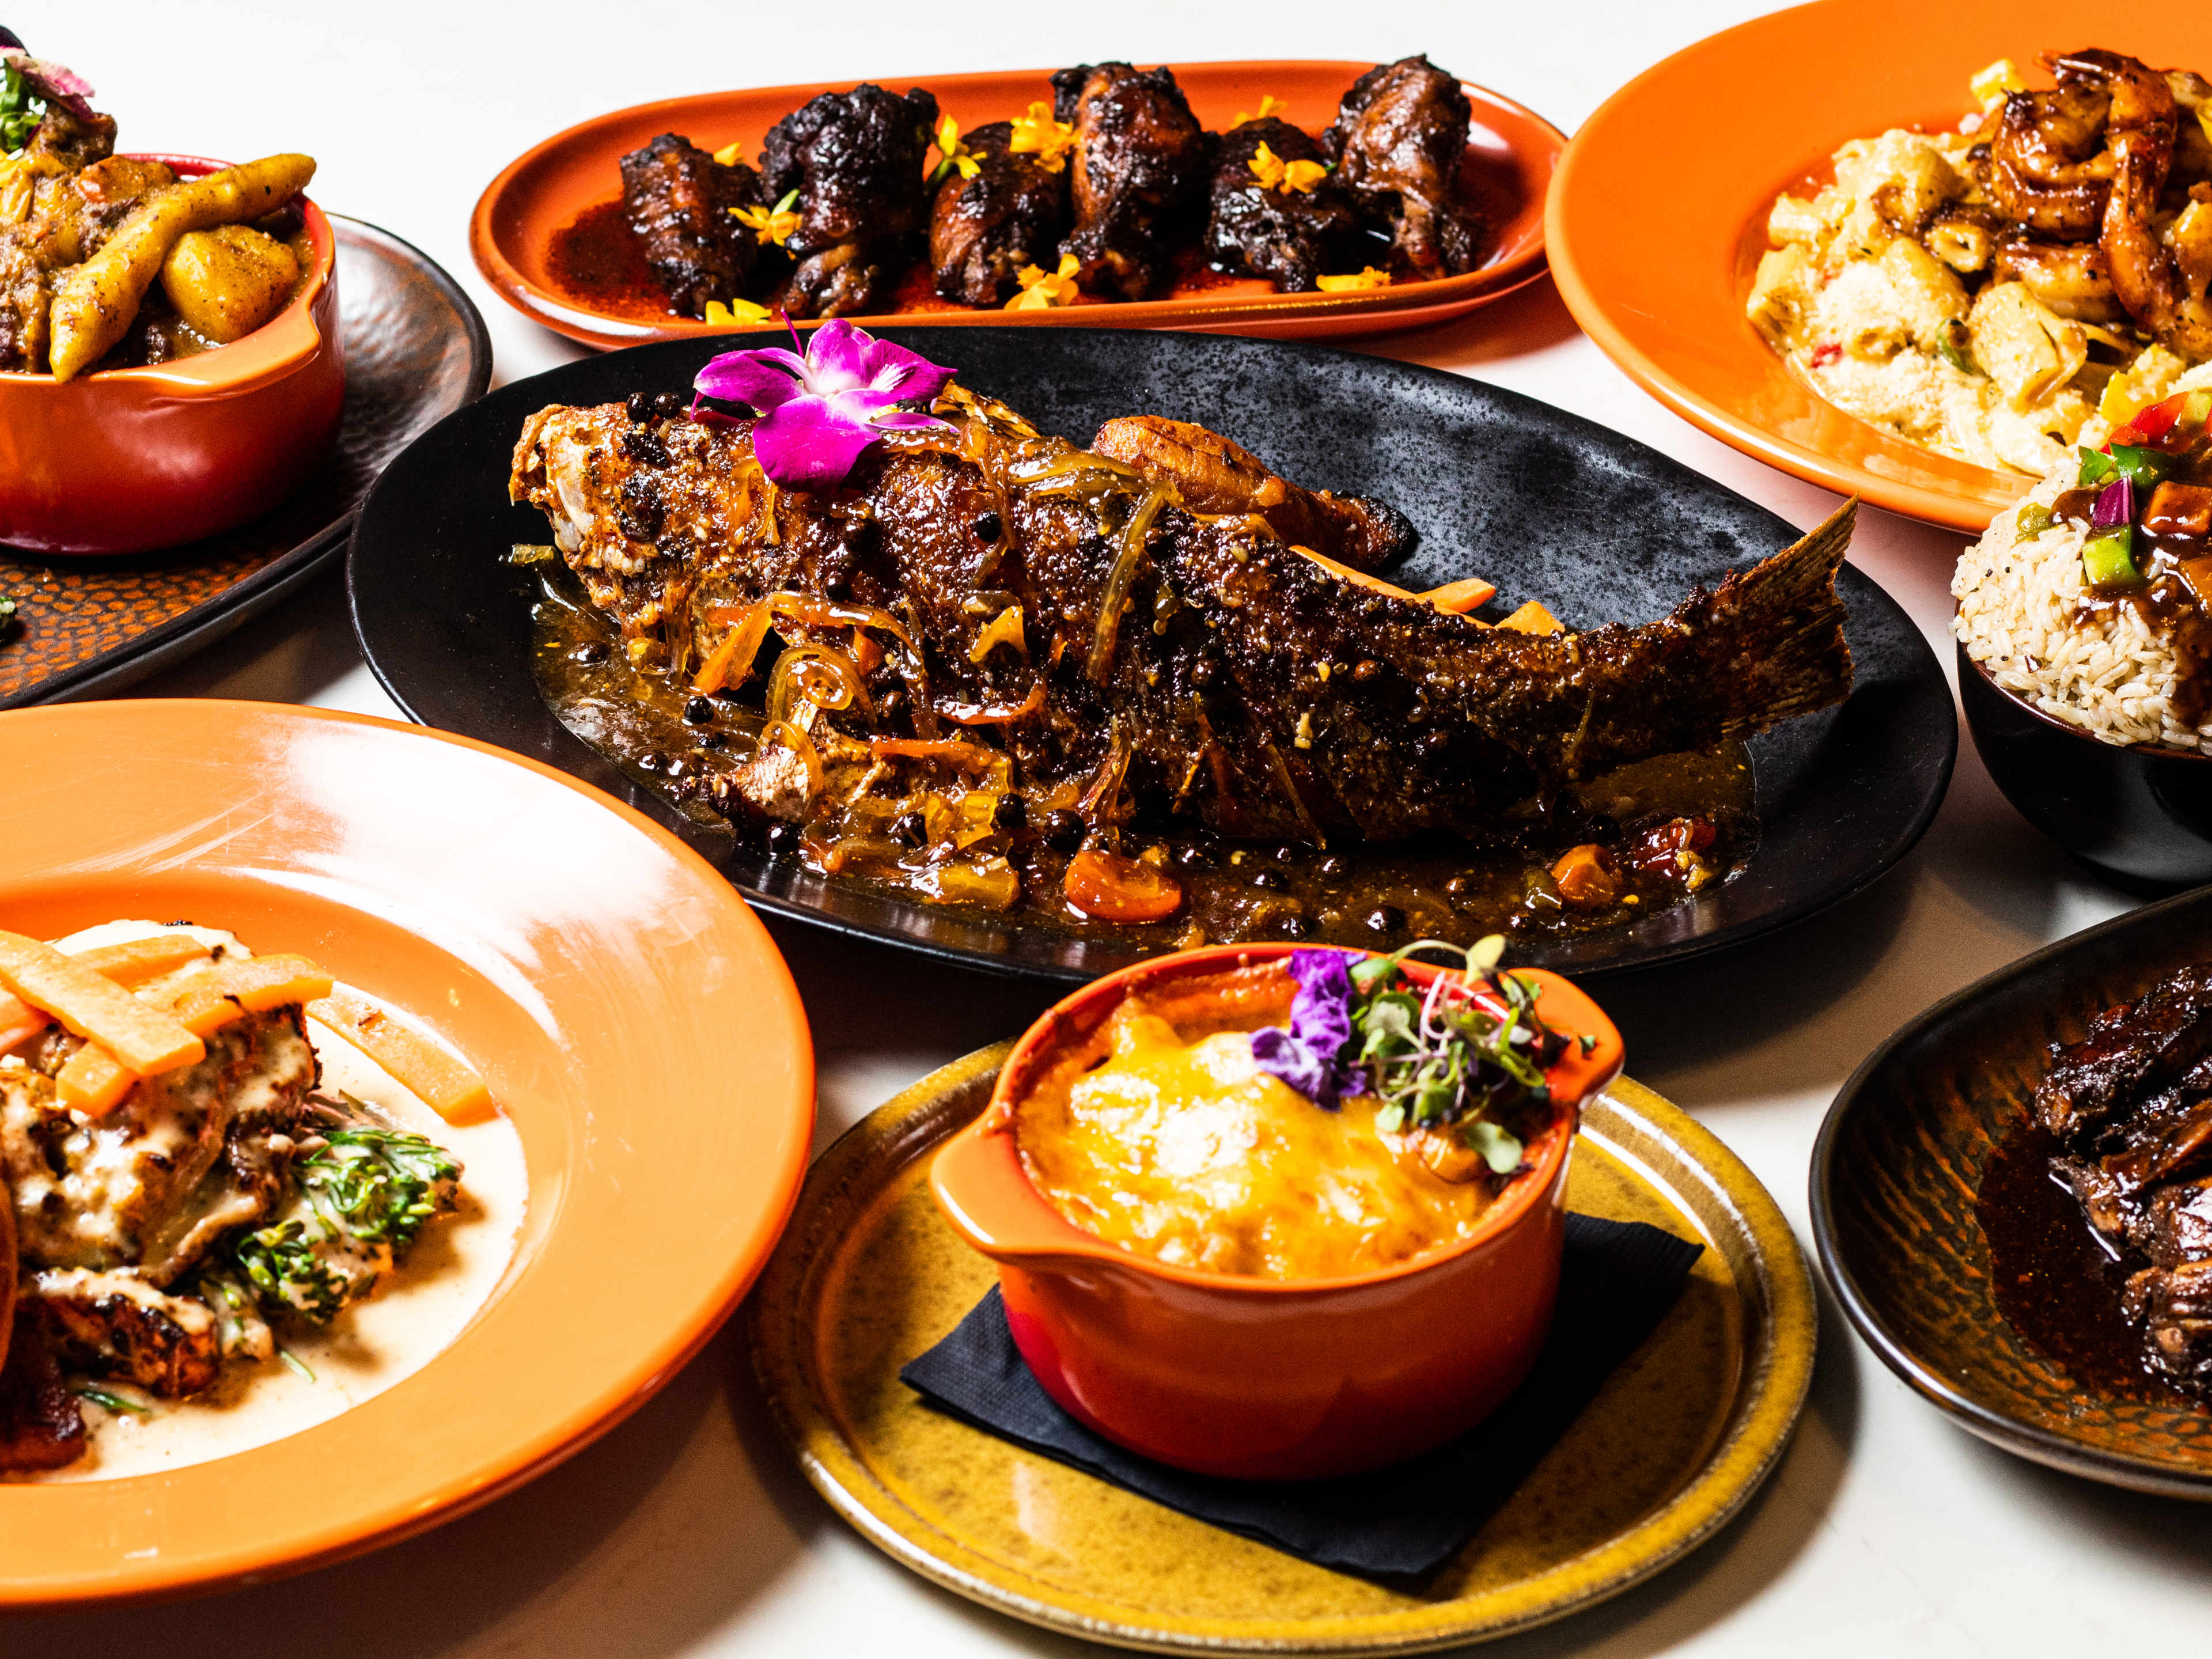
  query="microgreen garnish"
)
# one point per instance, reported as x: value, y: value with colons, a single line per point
x: 294, y: 1362
x: 110, y: 1402
x: 1432, y: 1056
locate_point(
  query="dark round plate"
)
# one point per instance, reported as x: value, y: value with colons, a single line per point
x: 1547, y: 505
x: 1895, y: 1175
x: 415, y: 350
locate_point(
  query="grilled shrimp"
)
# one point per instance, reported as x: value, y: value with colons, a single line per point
x: 2165, y: 296
x: 2049, y: 166
x: 2071, y: 278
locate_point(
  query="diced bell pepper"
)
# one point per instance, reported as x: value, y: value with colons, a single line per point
x: 2108, y: 562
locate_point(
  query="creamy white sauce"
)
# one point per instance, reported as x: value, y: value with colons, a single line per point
x: 456, y: 1264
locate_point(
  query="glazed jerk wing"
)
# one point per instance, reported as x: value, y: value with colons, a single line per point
x: 1268, y: 217
x: 1139, y: 169
x: 1163, y: 659
x: 679, y: 201
x: 855, y: 158
x: 1400, y: 137
x: 985, y: 229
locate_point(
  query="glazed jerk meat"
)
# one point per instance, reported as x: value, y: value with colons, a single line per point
x: 984, y: 229
x: 855, y: 160
x: 2132, y: 1102
x: 1398, y: 142
x: 1289, y: 232
x: 680, y: 202
x: 1138, y: 172
x: 1068, y: 623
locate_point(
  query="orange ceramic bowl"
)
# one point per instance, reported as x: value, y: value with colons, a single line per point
x: 1256, y: 1378
x: 125, y: 461
x: 1657, y: 215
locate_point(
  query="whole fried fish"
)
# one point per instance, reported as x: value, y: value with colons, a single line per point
x: 1191, y: 633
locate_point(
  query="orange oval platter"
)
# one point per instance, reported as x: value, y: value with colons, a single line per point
x: 1512, y: 153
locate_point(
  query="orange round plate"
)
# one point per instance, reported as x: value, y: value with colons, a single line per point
x: 1511, y: 151
x: 1657, y: 215
x: 633, y: 1017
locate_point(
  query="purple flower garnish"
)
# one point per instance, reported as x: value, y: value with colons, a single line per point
x: 55, y: 83
x: 1306, y: 1055
x: 819, y: 412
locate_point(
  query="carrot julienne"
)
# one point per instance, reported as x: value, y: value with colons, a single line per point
x: 447, y: 1085
x: 93, y: 1007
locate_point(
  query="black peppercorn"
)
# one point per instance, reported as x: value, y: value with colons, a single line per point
x: 712, y: 740
x: 699, y: 711
x: 1062, y: 830
x: 909, y: 829
x: 1011, y: 812
x: 667, y: 405
x: 640, y: 407
x: 1385, y: 919
x: 988, y: 527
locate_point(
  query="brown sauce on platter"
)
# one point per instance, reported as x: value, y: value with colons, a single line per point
x: 598, y: 262
x: 1371, y: 895
x: 2053, y: 1280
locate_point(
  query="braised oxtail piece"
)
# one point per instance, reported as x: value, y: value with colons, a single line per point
x: 985, y: 229
x: 1139, y: 169
x: 1137, y: 653
x: 679, y: 201
x: 855, y: 158
x: 1272, y: 212
x: 1399, y: 141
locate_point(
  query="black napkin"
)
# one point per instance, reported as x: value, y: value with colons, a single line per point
x: 1403, y: 1523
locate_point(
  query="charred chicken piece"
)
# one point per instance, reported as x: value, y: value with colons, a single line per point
x: 1212, y: 475
x: 1400, y: 137
x: 679, y: 201
x: 117, y: 1325
x: 1139, y: 169
x: 855, y: 160
x: 1288, y: 235
x: 984, y: 230
x: 40, y: 1425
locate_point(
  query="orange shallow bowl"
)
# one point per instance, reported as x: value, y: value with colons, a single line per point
x: 1255, y: 1378
x: 125, y: 461
x: 1657, y: 216
x: 1511, y: 152
x: 631, y: 1015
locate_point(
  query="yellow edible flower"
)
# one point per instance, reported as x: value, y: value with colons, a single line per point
x: 1038, y: 134
x: 952, y: 152
x: 730, y: 155
x: 1269, y: 105
x: 1990, y: 86
x: 1368, y: 278
x: 1274, y: 172
x: 736, y: 314
x: 1040, y: 291
x: 773, y: 224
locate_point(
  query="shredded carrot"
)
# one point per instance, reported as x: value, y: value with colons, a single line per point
x: 448, y: 1085
x: 1358, y: 578
x: 1533, y: 619
x: 95, y: 1007
x: 957, y: 750
x: 135, y: 961
x: 986, y: 714
x: 227, y: 991
x: 1457, y: 598
x: 94, y: 1081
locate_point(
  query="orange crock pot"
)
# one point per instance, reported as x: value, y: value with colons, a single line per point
x: 125, y: 460
x: 1266, y: 1379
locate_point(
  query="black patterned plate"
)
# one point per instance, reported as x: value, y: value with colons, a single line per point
x: 1547, y: 505
x: 415, y: 350
x: 1897, y: 1175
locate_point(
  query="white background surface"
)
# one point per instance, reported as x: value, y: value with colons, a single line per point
x: 687, y: 1532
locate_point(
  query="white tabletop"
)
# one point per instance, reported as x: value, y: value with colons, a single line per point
x: 687, y: 1531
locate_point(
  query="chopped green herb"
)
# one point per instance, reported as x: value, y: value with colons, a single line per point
x: 21, y: 111
x: 110, y: 1402
x: 1953, y: 344
x: 294, y: 1362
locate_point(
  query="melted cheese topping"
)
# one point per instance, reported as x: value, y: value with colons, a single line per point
x: 1182, y: 1149
x: 453, y: 1270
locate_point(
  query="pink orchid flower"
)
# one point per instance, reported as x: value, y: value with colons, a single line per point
x: 819, y: 412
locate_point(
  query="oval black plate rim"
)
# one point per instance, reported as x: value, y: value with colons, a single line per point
x: 1855, y: 879
x: 2040, y: 1445
x: 209, y: 621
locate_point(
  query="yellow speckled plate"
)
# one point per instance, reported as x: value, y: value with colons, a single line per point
x: 868, y: 1276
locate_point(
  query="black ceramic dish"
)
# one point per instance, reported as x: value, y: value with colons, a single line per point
x: 1895, y: 1176
x: 1548, y: 505
x: 415, y: 350
x: 2140, y: 818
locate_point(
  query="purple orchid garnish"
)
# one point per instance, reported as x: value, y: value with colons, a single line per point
x: 819, y: 413
x: 1306, y: 1055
